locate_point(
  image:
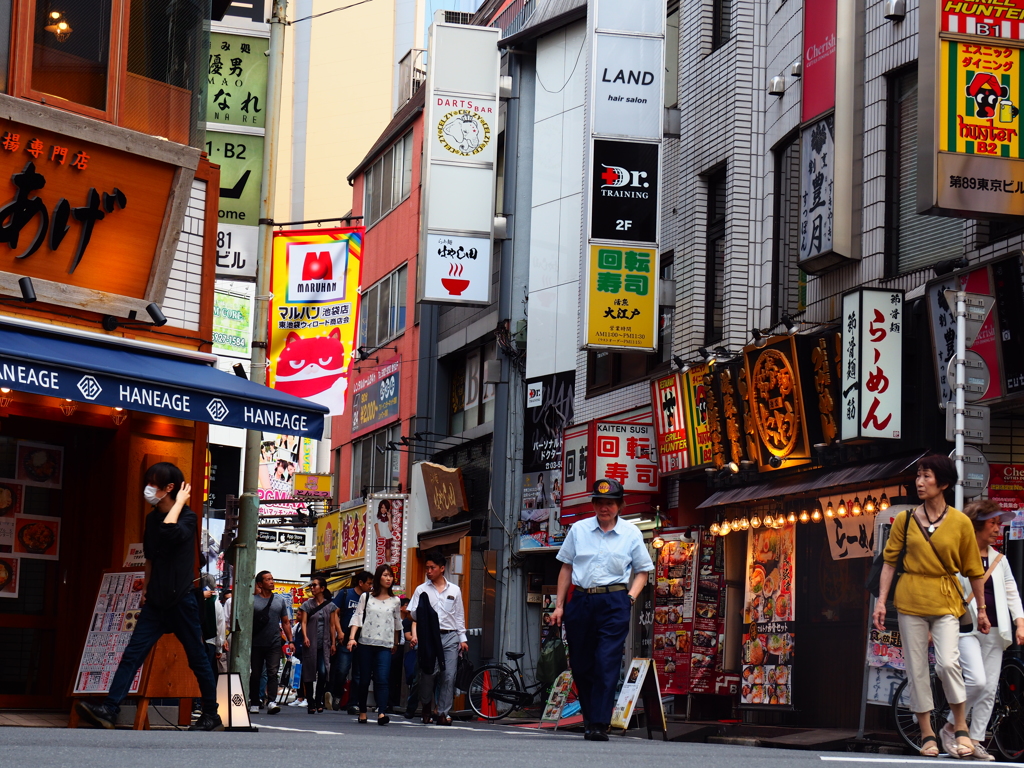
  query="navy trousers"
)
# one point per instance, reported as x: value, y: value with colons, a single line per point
x: 181, y: 619
x: 596, y: 626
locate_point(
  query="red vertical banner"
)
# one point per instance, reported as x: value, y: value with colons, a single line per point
x: 819, y: 74
x: 708, y: 617
x: 669, y: 409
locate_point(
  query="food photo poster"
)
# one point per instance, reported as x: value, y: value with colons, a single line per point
x: 10, y: 568
x: 37, y: 537
x: 39, y: 464
x: 768, y: 612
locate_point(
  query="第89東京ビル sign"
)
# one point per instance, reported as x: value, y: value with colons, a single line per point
x: 313, y: 312
x: 622, y: 302
x: 91, y: 212
x: 970, y: 81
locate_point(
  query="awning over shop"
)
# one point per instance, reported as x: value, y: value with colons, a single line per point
x: 89, y: 371
x: 816, y: 480
x: 438, y: 537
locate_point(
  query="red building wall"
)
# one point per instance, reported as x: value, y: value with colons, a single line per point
x: 389, y: 243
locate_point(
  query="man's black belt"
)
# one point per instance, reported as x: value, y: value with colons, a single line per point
x: 448, y: 631
x: 604, y: 590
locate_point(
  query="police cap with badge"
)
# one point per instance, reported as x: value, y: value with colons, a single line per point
x: 607, y: 489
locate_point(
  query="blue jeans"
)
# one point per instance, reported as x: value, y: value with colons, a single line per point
x: 341, y: 663
x: 181, y: 619
x: 374, y: 662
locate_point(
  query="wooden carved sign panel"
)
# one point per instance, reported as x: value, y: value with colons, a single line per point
x: 89, y: 211
x: 776, y: 403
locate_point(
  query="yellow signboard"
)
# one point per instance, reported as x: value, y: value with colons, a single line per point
x: 980, y: 94
x: 313, y: 486
x: 352, y: 541
x: 698, y: 426
x: 622, y: 298
x: 328, y: 540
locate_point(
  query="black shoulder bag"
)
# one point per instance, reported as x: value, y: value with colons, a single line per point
x: 874, y: 580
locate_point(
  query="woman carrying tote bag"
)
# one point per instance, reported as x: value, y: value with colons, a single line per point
x: 981, y: 655
x: 940, y: 542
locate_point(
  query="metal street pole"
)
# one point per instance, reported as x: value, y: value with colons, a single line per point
x: 958, y: 423
x: 249, y: 503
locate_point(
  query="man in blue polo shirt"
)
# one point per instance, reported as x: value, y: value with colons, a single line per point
x: 606, y: 561
x: 347, y: 600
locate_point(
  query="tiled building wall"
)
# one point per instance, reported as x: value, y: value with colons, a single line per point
x: 181, y: 304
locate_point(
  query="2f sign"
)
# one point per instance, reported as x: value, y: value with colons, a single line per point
x: 623, y: 225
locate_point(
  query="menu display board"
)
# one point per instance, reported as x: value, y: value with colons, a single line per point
x: 689, y: 622
x: 768, y: 612
x: 113, y: 620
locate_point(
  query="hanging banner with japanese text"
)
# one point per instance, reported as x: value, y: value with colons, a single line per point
x: 769, y: 613
x: 622, y: 298
x: 626, y: 452
x: 315, y: 279
x: 698, y: 425
x: 237, y: 80
x: 669, y: 407
x: 375, y: 396
x: 352, y: 527
x: 817, y: 187
x: 576, y: 457
x: 872, y: 364
x: 386, y: 518
x: 327, y: 541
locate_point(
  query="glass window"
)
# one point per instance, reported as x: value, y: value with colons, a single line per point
x: 715, y: 259
x: 407, y: 165
x: 382, y: 315
x: 672, y: 59
x: 389, y: 181
x: 721, y: 23
x: 375, y: 467
x: 71, y: 50
x: 913, y: 241
x: 789, y: 282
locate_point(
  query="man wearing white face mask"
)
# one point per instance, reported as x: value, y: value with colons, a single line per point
x: 169, y: 604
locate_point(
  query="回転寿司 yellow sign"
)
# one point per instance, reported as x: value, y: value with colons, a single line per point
x: 622, y: 298
x: 980, y: 98
x: 314, y: 313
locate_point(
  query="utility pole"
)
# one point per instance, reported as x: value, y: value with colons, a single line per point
x: 249, y: 503
x: 961, y: 381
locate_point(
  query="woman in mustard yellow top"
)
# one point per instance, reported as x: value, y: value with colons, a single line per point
x: 928, y: 597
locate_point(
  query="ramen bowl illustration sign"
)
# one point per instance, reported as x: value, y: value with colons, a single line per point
x: 457, y: 268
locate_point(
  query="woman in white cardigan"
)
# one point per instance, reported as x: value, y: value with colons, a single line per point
x: 981, y: 656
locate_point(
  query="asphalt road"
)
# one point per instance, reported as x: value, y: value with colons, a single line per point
x: 333, y: 739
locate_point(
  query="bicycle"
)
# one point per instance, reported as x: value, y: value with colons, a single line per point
x: 1005, y: 728
x: 498, y: 690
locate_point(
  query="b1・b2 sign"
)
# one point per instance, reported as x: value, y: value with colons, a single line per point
x: 624, y: 180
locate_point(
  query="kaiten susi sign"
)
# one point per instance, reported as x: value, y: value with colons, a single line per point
x: 872, y: 364
x: 459, y: 147
x: 95, y: 225
x: 313, y: 312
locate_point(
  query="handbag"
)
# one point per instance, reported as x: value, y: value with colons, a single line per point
x: 463, y: 672
x: 261, y: 618
x: 552, y: 661
x: 874, y: 579
x: 966, y: 627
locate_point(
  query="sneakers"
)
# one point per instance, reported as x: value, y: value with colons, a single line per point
x: 328, y: 700
x: 254, y: 709
x: 980, y: 753
x: 208, y: 722
x: 273, y: 708
x: 100, y: 714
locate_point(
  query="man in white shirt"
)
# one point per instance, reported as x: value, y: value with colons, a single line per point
x: 446, y: 600
x: 607, y: 562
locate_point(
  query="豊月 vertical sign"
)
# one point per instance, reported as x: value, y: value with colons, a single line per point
x: 872, y: 364
x: 970, y: 80
x: 460, y: 152
x: 624, y: 170
x: 315, y: 290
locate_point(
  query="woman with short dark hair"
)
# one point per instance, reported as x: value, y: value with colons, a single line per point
x: 377, y: 627
x: 318, y: 643
x: 981, y: 655
x: 939, y: 543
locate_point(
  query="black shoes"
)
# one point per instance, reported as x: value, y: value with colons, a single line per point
x: 383, y: 720
x: 596, y: 732
x: 98, y: 714
x: 208, y: 722
x: 353, y: 710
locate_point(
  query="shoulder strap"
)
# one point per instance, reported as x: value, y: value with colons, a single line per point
x: 988, y: 573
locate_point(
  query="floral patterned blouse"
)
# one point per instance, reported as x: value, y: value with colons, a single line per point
x: 382, y: 619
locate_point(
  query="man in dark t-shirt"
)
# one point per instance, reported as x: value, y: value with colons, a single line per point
x: 168, y: 603
x: 270, y: 621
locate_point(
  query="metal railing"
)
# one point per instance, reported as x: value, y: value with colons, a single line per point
x: 514, y: 18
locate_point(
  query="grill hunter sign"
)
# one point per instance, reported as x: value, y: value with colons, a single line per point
x: 94, y: 226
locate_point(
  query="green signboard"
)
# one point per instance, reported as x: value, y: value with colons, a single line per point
x: 237, y: 80
x: 240, y: 158
x: 232, y: 324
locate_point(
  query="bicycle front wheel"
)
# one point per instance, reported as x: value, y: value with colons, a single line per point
x: 906, y: 719
x: 494, y: 692
x: 1009, y: 728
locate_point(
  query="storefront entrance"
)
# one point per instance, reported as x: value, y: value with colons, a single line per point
x: 42, y: 629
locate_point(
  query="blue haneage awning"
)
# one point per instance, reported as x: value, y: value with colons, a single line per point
x: 90, y: 371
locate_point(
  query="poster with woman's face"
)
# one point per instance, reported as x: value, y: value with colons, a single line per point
x: 386, y: 517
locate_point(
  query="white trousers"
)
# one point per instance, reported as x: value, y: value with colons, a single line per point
x: 981, y: 657
x: 945, y: 634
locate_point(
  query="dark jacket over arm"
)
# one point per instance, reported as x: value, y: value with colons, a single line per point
x: 428, y: 633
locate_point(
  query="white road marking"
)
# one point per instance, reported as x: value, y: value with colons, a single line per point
x: 463, y: 728
x: 892, y: 759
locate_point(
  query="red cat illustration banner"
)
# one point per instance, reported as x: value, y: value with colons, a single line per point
x: 313, y: 313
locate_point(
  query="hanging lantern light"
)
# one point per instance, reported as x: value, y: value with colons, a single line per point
x: 829, y: 512
x: 714, y: 529
x: 883, y: 503
x: 118, y: 415
x: 755, y: 521
x: 856, y: 508
x: 5, y: 397
x: 806, y: 518
x: 744, y: 524
x: 869, y: 506
x: 68, y: 406
x: 791, y: 517
x: 816, y: 515
x: 841, y: 509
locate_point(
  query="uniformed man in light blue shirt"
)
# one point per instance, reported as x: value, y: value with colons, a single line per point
x: 607, y: 563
